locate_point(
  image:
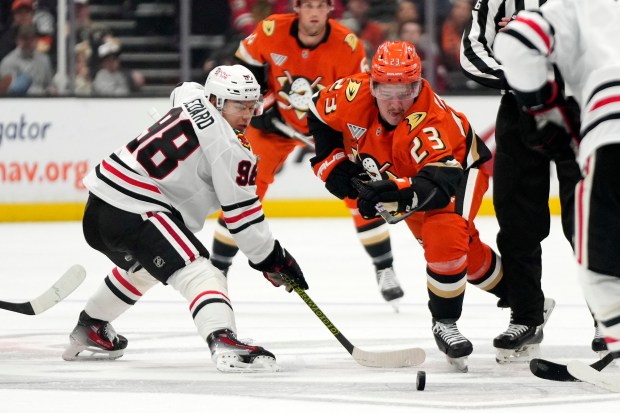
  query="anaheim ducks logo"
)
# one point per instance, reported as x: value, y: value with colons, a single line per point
x: 352, y: 88
x: 352, y: 40
x: 269, y: 26
x: 243, y: 140
x: 296, y: 93
x: 375, y: 170
x: 415, y: 119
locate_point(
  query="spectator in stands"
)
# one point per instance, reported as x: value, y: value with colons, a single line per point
x: 412, y: 32
x: 83, y: 79
x: 95, y: 34
x: 406, y: 11
x: 442, y: 9
x: 111, y: 79
x: 22, y: 13
x: 30, y: 70
x: 451, y: 34
x: 45, y: 21
x: 356, y: 17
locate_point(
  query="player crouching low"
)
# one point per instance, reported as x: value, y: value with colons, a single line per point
x: 149, y: 198
x: 415, y: 154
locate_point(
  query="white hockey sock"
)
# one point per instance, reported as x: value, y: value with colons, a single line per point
x: 602, y: 292
x: 206, y: 289
x: 119, y: 291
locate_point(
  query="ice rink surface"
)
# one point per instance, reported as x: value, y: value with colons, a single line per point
x: 167, y: 367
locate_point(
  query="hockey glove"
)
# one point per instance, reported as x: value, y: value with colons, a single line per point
x: 396, y: 195
x: 281, y: 262
x: 338, y: 182
x: 554, y: 128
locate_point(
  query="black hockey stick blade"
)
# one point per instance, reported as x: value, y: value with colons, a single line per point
x: 549, y: 370
x: 65, y: 285
x: 383, y: 359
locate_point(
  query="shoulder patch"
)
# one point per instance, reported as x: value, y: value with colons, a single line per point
x: 243, y: 140
x: 352, y: 88
x: 269, y: 26
x: 352, y: 40
x: 415, y: 119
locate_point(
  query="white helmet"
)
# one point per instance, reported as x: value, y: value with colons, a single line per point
x: 234, y: 83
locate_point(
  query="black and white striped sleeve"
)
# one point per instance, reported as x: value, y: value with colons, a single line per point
x: 477, y: 59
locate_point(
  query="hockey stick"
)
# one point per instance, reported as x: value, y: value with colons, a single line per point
x: 65, y: 285
x: 385, y: 214
x: 549, y: 370
x: 383, y: 359
x: 292, y: 133
x: 586, y: 373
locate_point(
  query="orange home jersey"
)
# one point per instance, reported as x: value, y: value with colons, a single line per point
x: 430, y: 131
x: 295, y: 73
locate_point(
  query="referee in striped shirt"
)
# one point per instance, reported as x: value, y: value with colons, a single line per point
x: 521, y: 179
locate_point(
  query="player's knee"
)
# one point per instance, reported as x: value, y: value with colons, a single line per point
x: 448, y: 266
x: 198, y: 277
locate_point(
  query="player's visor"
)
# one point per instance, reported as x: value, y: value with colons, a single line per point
x: 386, y: 91
x: 238, y: 107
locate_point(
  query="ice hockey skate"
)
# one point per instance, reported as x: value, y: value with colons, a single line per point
x: 389, y: 287
x: 521, y: 343
x: 232, y: 356
x: 94, y: 339
x: 451, y: 342
x: 598, y: 343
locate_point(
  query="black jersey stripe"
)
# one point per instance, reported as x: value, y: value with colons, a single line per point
x: 246, y: 225
x: 237, y: 205
x: 129, y: 193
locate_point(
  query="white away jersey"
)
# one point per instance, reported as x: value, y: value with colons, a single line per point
x: 580, y: 37
x: 190, y: 163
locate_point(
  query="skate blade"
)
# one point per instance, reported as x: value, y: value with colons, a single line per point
x: 230, y: 363
x: 520, y: 355
x: 395, y: 305
x: 79, y: 352
x: 459, y: 363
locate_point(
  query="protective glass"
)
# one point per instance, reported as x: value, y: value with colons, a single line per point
x: 386, y: 91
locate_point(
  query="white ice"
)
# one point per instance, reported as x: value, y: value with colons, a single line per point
x: 167, y: 367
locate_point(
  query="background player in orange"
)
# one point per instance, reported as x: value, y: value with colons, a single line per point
x: 418, y: 155
x: 293, y: 56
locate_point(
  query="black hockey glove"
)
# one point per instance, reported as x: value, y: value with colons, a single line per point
x: 338, y: 182
x: 553, y: 127
x: 396, y: 195
x: 281, y: 262
x: 264, y: 122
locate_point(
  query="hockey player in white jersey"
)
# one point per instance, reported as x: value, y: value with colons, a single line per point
x: 149, y: 197
x: 580, y: 39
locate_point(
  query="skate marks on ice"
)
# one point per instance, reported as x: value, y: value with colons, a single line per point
x: 314, y: 372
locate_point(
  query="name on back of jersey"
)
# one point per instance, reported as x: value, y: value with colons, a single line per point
x: 199, y: 113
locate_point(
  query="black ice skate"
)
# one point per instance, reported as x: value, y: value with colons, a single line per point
x: 231, y: 355
x: 598, y: 343
x: 94, y: 339
x: 451, y: 342
x: 521, y: 343
x: 389, y: 286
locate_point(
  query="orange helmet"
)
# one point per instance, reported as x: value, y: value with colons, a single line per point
x: 396, y: 62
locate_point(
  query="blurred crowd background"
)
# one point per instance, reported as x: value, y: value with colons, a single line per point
x: 145, y: 47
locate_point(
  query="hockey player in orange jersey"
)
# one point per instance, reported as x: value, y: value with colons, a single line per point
x: 417, y: 154
x: 293, y: 56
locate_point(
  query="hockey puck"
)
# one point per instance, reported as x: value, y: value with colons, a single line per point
x: 420, y: 381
